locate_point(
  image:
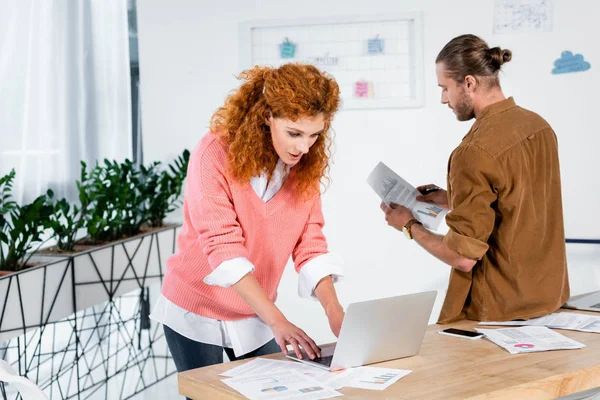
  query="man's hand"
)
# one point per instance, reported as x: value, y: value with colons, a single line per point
x: 287, y: 333
x: 439, y: 197
x: 396, y: 215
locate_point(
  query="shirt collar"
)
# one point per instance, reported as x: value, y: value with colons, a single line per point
x: 497, y: 108
x: 491, y: 110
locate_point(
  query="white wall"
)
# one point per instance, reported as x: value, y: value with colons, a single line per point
x: 188, y: 58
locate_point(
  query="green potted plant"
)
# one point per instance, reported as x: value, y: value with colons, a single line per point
x: 162, y: 189
x: 67, y: 221
x: 116, y: 201
x: 122, y: 208
x: 116, y: 211
x: 6, y: 207
x: 21, y: 227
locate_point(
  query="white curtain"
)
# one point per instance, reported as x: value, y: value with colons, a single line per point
x: 64, y: 90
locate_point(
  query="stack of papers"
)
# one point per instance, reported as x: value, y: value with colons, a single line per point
x: 528, y: 339
x: 561, y: 320
x: 391, y: 188
x: 280, y: 385
x: 263, y: 378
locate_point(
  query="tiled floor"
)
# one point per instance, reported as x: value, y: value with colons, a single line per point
x: 164, y: 390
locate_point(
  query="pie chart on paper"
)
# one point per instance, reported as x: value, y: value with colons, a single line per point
x: 524, y: 345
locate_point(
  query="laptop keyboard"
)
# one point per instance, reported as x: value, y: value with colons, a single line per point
x: 596, y: 306
x: 326, y: 361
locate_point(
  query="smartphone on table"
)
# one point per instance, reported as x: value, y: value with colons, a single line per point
x: 461, y: 333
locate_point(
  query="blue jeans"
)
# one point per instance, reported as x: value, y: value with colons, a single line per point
x: 189, y: 354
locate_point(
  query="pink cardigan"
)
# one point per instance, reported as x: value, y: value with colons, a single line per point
x: 225, y: 220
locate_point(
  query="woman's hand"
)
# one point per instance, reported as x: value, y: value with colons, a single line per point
x: 287, y: 333
x: 326, y: 294
x: 336, y: 317
x: 284, y: 331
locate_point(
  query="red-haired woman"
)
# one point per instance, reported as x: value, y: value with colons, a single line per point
x: 252, y: 200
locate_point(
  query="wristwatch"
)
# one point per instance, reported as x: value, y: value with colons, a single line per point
x: 407, y: 228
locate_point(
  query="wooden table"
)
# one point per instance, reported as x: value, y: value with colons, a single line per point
x: 448, y: 367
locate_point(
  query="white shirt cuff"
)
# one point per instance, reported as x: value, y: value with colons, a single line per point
x: 315, y: 270
x: 229, y: 272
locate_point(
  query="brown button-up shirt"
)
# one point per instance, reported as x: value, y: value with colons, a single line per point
x: 506, y: 212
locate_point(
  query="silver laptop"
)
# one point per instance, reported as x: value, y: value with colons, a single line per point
x: 588, y: 302
x: 377, y: 330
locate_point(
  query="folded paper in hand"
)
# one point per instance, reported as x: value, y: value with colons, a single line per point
x: 391, y: 188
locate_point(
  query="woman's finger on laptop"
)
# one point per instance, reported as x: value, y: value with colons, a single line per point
x: 309, y: 345
x: 300, y: 340
x: 294, y: 343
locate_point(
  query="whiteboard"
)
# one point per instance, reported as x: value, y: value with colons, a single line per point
x: 376, y: 60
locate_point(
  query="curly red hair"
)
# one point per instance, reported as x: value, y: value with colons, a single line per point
x: 290, y: 91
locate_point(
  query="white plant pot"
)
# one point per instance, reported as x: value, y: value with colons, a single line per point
x: 31, y: 298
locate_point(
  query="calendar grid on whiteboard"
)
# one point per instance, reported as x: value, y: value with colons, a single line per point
x: 395, y: 76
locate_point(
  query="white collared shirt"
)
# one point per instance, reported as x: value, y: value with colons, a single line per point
x: 248, y: 334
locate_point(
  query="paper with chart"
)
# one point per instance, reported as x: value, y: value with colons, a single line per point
x: 562, y: 320
x: 372, y: 378
x: 517, y: 16
x: 260, y: 366
x: 391, y: 188
x: 254, y: 371
x: 529, y: 339
x: 280, y: 385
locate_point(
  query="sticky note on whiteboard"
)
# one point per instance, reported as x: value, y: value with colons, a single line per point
x: 363, y: 89
x: 375, y: 46
x: 287, y: 49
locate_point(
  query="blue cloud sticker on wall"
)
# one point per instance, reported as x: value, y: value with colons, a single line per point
x: 569, y: 62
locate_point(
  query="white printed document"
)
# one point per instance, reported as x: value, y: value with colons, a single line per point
x: 248, y: 377
x: 372, y: 378
x: 261, y: 366
x: 561, y: 320
x: 528, y: 339
x: 283, y: 385
x: 391, y: 188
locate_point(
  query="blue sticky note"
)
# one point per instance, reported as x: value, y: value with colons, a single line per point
x: 287, y: 49
x: 375, y: 46
x: 569, y: 62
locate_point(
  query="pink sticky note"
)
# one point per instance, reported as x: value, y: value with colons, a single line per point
x: 361, y: 89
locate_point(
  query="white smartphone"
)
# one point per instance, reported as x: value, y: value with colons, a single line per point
x: 461, y: 333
